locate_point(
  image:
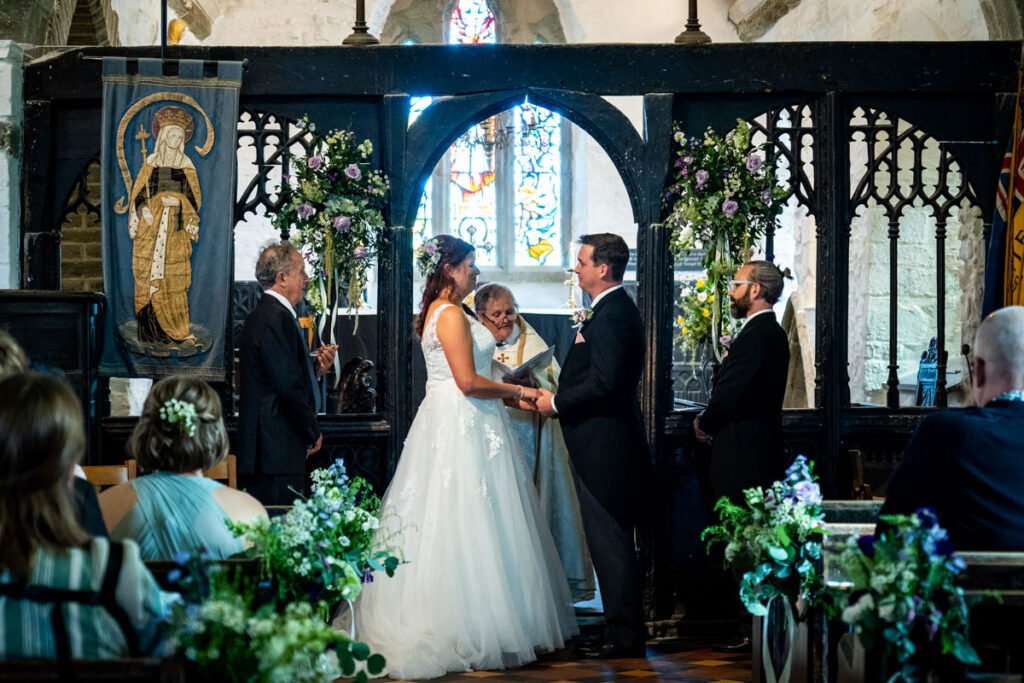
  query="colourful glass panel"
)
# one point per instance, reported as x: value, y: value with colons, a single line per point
x: 472, y: 196
x: 422, y: 227
x: 472, y: 24
x: 538, y: 184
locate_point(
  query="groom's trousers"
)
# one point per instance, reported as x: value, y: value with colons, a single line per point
x: 613, y: 552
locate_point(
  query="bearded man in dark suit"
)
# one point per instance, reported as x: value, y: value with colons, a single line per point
x: 743, y: 419
x: 968, y: 463
x: 279, y: 396
x: 599, y: 412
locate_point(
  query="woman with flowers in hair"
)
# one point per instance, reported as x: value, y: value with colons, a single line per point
x: 175, y: 508
x: 63, y: 595
x: 484, y: 587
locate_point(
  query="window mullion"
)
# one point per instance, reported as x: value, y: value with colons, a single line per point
x: 504, y: 178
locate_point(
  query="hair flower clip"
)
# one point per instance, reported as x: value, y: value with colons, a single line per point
x: 181, y: 413
x: 428, y: 256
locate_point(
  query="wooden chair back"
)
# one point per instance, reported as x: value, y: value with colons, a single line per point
x: 105, y: 476
x: 142, y: 670
x: 226, y: 470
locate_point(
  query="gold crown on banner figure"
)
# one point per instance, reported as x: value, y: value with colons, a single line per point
x: 174, y: 116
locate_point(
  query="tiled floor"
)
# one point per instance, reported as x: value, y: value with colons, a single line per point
x: 665, y: 662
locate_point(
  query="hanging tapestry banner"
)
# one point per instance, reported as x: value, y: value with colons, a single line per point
x: 168, y: 159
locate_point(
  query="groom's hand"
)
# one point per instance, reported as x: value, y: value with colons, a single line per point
x: 544, y: 405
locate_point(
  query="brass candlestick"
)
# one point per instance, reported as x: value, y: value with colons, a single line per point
x: 693, y: 35
x: 361, y: 35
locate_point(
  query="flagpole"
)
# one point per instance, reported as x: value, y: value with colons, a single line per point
x: 163, y: 30
x: 1011, y: 187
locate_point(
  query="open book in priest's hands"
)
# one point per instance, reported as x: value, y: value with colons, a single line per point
x: 523, y: 375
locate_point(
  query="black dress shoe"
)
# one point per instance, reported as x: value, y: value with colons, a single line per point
x: 739, y: 645
x: 611, y: 651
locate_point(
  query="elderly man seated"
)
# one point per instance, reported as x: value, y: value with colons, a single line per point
x: 968, y: 464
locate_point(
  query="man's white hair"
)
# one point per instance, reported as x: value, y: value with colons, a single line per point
x: 1000, y: 342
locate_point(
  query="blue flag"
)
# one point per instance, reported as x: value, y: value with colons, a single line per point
x: 169, y: 165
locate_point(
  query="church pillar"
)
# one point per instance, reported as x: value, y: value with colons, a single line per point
x: 11, y: 105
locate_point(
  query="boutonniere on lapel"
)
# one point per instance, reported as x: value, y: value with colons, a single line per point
x: 581, y: 316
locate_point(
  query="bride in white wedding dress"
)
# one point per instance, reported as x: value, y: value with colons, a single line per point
x: 483, y: 587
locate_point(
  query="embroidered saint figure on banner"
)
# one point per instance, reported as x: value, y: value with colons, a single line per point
x: 164, y: 205
x: 168, y: 195
x: 163, y: 223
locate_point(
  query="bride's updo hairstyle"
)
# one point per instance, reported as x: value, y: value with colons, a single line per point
x: 451, y: 251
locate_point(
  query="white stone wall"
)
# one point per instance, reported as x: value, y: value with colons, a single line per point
x: 10, y: 163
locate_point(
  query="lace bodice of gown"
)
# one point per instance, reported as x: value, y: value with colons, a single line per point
x: 433, y: 353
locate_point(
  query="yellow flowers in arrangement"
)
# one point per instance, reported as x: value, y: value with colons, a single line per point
x: 696, y: 306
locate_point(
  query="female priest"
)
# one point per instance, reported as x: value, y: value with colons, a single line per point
x: 540, y: 438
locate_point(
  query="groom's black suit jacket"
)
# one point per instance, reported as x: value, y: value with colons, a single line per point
x: 277, y: 412
x: 599, y: 410
x: 745, y: 412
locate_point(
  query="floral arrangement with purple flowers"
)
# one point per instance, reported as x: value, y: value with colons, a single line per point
x: 722, y: 198
x: 902, y: 595
x: 323, y: 549
x: 332, y: 208
x: 775, y: 539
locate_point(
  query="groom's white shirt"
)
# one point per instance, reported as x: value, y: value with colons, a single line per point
x: 592, y: 304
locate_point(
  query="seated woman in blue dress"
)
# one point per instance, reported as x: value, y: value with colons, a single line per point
x: 63, y: 595
x: 175, y: 508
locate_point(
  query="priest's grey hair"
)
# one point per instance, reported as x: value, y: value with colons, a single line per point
x: 492, y: 290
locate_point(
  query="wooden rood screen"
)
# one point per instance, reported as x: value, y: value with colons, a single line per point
x: 851, y: 121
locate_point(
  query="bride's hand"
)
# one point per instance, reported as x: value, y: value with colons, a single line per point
x: 529, y: 394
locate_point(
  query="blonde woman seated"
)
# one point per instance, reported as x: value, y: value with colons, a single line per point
x: 176, y: 508
x: 540, y: 438
x: 63, y: 595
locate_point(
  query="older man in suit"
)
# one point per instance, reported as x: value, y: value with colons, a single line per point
x: 279, y: 397
x: 968, y: 463
x: 600, y: 416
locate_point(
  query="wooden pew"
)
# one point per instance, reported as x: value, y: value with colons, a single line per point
x: 997, y: 624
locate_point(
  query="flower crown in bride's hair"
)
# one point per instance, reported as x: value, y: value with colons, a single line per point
x: 428, y: 256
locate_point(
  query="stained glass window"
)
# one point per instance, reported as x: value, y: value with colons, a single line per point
x: 500, y: 185
x: 423, y: 225
x: 472, y: 23
x: 538, y: 178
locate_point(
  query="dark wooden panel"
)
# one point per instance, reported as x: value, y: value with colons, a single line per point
x: 632, y: 69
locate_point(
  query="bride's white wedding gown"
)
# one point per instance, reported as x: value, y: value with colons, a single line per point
x: 483, y: 587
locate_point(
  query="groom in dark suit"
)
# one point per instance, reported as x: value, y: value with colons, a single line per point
x: 278, y: 427
x: 600, y: 416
